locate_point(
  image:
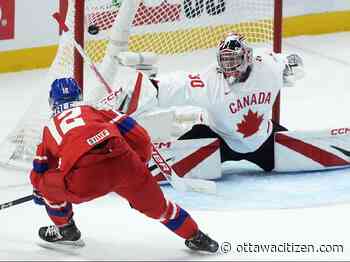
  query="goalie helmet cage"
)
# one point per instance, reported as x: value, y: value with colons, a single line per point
x: 165, y: 27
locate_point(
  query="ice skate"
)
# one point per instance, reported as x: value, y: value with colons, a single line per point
x: 66, y: 235
x: 202, y: 242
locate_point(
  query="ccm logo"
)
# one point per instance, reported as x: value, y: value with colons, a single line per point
x: 340, y: 131
x: 111, y: 96
x: 162, y: 145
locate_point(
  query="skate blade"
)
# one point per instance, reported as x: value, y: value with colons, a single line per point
x: 62, y: 244
x: 78, y: 243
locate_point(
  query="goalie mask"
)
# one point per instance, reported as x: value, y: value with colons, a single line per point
x: 234, y: 57
x: 64, y: 91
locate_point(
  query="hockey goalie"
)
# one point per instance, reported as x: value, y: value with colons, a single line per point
x: 237, y: 94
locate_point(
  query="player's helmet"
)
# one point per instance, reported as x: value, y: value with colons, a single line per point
x: 63, y: 90
x: 234, y: 56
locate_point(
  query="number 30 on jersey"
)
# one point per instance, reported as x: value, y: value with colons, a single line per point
x: 196, y: 81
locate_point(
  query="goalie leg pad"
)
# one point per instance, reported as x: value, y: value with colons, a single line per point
x: 194, y: 158
x: 312, y: 150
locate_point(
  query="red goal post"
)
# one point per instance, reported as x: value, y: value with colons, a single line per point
x: 277, y: 48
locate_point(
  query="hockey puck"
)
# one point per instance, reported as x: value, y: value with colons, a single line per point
x: 93, y: 29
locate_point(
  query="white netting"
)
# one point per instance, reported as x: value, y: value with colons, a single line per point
x: 171, y: 28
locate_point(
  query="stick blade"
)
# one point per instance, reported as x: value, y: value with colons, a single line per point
x: 193, y: 185
x: 200, y: 185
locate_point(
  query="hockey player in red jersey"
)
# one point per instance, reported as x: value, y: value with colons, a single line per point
x: 86, y: 153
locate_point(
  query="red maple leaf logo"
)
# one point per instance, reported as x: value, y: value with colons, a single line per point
x: 250, y: 123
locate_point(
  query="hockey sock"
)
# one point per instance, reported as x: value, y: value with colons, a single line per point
x: 60, y: 213
x: 179, y: 221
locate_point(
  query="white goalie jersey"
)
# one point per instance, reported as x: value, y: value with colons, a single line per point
x: 239, y: 113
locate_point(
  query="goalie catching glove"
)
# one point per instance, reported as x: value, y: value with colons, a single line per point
x: 294, y: 69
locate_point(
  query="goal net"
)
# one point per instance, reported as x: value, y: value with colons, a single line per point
x: 170, y: 28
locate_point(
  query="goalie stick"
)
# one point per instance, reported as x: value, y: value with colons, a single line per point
x: 179, y: 183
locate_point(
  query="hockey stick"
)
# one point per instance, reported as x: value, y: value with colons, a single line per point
x: 181, y: 184
x: 16, y: 202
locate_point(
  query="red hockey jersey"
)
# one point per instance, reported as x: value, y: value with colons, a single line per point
x: 75, y: 131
